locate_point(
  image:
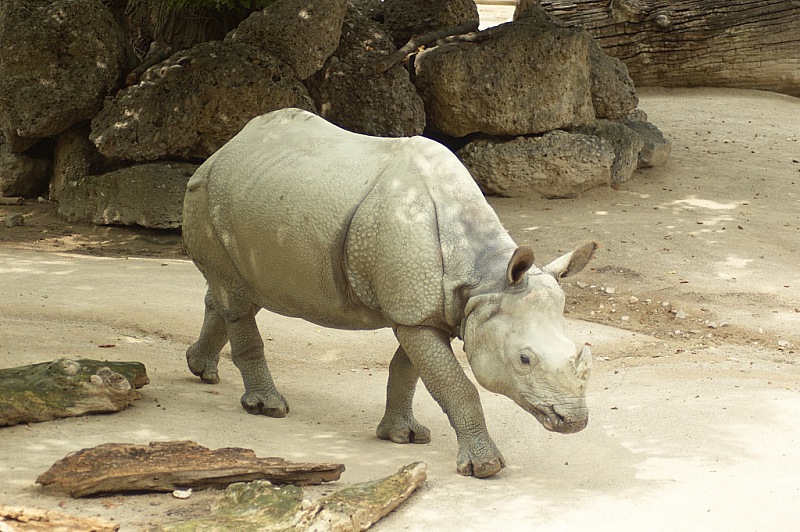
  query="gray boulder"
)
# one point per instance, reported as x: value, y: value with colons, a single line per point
x: 303, y: 33
x: 625, y: 143
x: 613, y: 93
x: 656, y: 148
x: 58, y: 61
x: 191, y: 104
x: 406, y: 18
x: 74, y: 157
x: 523, y: 77
x: 150, y: 195
x: 22, y: 174
x: 556, y: 165
x: 349, y: 93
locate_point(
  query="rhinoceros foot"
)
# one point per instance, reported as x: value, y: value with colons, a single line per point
x: 203, y: 365
x: 480, y: 459
x: 272, y: 405
x: 403, y: 431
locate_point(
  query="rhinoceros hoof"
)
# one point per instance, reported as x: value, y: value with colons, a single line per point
x: 273, y: 405
x: 403, y: 432
x: 480, y: 466
x: 203, y: 366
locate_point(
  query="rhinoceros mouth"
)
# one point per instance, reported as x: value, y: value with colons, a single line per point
x: 555, y: 422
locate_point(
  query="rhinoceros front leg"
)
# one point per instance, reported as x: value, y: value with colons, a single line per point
x: 398, y: 423
x: 203, y: 356
x: 429, y: 351
x: 247, y: 351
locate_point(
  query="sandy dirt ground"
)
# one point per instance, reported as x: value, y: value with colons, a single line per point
x: 692, y: 307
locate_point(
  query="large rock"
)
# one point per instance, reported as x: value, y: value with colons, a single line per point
x: 349, y: 93
x: 625, y: 142
x: 74, y: 157
x: 526, y: 76
x: 195, y: 101
x: 555, y: 165
x: 59, y: 60
x: 22, y: 174
x: 150, y: 195
x: 613, y: 93
x: 656, y: 148
x: 406, y: 18
x: 303, y: 33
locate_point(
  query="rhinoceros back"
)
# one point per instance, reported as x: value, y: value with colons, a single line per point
x: 280, y: 197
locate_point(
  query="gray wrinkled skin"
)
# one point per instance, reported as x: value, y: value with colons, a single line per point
x: 307, y: 220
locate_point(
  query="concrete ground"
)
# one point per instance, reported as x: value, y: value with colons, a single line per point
x: 694, y: 399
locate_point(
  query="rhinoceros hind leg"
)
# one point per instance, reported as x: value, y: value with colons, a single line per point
x: 398, y: 423
x: 203, y: 356
x: 247, y: 350
x: 430, y: 352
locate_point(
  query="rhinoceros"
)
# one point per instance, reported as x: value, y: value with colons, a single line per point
x: 305, y: 219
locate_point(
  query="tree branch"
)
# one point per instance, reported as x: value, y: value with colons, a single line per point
x: 423, y: 40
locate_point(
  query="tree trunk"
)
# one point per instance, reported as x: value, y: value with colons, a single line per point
x: 177, y: 28
x: 746, y: 44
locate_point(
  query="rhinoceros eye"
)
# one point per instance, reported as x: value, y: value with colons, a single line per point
x: 525, y: 359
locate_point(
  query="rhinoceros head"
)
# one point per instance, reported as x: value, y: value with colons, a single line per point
x: 516, y: 345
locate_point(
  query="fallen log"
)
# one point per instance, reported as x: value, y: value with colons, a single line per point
x: 685, y: 43
x: 11, y: 200
x: 261, y: 506
x: 67, y: 388
x: 168, y: 466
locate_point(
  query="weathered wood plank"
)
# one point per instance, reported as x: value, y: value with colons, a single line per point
x: 66, y: 388
x: 684, y: 43
x: 362, y: 505
x: 167, y: 466
x: 34, y: 519
x: 261, y: 506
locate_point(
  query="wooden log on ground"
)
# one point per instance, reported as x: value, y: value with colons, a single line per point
x: 31, y: 519
x: 11, y: 200
x: 168, y: 466
x: 362, y: 505
x: 687, y: 43
x: 66, y: 388
x: 260, y: 506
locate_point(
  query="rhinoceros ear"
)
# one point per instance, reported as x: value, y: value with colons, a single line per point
x: 571, y: 263
x: 521, y: 261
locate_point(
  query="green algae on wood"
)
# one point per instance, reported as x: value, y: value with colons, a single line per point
x: 67, y: 388
x: 261, y: 506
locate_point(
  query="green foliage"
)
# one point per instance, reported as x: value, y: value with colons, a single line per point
x: 222, y: 5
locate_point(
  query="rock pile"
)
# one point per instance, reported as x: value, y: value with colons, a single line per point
x: 533, y: 107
